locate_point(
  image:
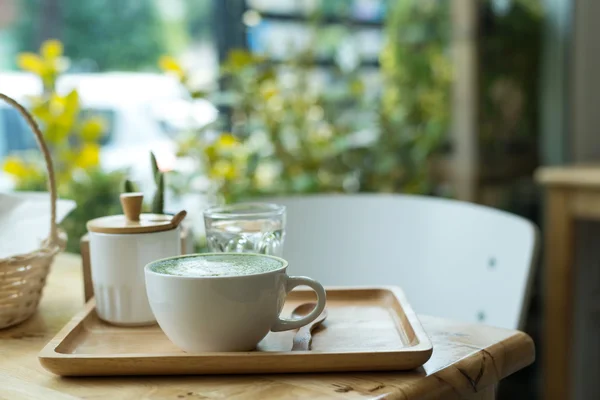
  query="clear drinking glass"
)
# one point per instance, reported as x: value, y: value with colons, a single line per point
x: 246, y: 228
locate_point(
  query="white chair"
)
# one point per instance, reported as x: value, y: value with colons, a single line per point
x: 453, y: 259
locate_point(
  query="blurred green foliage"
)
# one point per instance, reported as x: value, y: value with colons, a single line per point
x: 510, y: 44
x: 414, y: 114
x: 97, y: 34
x: 287, y: 132
x: 284, y: 135
x: 196, y: 17
x: 96, y: 194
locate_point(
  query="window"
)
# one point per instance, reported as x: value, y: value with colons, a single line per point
x: 113, y: 49
x: 14, y: 132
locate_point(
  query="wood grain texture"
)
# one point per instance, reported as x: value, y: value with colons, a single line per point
x: 569, y: 195
x: 86, y: 265
x: 370, y: 329
x: 467, y: 360
x: 131, y: 203
x: 303, y: 337
x: 488, y: 394
x: 119, y: 224
x: 581, y: 203
x: 558, y: 294
x: 572, y: 192
x: 574, y: 176
x: 17, y: 389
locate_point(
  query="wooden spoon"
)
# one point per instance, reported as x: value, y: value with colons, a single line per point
x: 303, y: 338
x: 177, y: 218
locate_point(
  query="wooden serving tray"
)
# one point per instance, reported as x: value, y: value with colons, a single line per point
x: 367, y: 329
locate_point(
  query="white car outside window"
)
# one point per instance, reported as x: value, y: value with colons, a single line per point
x: 139, y: 109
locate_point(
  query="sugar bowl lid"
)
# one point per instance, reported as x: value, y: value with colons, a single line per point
x: 132, y: 221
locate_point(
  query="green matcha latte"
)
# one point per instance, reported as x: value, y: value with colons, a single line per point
x: 216, y: 265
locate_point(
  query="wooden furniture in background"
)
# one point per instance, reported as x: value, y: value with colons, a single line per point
x: 571, y: 193
x: 467, y: 362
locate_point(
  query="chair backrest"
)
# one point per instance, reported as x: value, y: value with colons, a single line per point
x: 453, y: 259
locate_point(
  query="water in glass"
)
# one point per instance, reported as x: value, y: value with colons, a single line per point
x: 262, y: 236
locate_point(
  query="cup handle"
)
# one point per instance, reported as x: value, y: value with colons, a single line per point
x: 284, y: 324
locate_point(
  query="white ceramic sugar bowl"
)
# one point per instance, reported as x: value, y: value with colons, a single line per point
x: 120, y: 247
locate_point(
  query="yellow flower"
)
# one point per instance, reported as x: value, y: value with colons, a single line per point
x: 89, y: 156
x: 15, y: 166
x: 223, y: 169
x: 31, y: 62
x: 268, y: 91
x: 92, y: 129
x: 239, y: 58
x: 71, y: 102
x: 41, y: 111
x: 210, y: 152
x: 226, y: 141
x: 51, y: 49
x: 57, y: 104
x: 169, y: 64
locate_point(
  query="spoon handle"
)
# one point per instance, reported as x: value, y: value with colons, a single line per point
x: 302, y: 339
x: 177, y: 218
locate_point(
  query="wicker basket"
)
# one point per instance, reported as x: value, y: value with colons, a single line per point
x: 22, y: 277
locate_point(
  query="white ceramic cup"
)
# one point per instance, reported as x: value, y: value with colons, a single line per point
x: 224, y: 313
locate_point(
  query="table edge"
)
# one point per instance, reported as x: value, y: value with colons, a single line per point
x: 443, y: 382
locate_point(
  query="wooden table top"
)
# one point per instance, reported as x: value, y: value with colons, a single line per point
x: 467, y: 359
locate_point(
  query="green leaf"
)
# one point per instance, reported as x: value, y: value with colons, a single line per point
x: 154, y: 165
x: 129, y: 187
x: 158, y: 202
